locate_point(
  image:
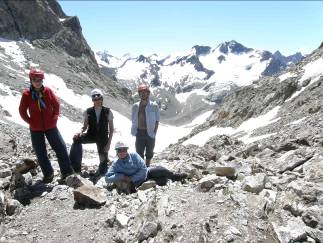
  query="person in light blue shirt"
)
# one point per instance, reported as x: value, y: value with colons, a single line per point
x: 129, y: 171
x: 145, y: 120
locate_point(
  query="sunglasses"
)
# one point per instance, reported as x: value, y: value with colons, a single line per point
x: 37, y: 80
x: 122, y: 150
x: 96, y: 97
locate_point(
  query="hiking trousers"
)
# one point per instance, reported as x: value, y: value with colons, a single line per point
x: 144, y: 142
x: 76, y: 153
x: 58, y: 145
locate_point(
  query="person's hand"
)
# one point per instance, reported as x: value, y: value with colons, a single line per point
x: 126, y: 178
x: 77, y: 135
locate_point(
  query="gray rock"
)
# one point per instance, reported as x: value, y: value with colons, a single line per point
x: 313, y: 169
x: 148, y: 229
x: 147, y: 185
x: 122, y: 220
x: 313, y: 217
x: 2, y: 205
x: 21, y: 180
x: 4, y: 182
x: 291, y: 231
x: 25, y: 165
x: 225, y: 171
x: 254, y: 184
x: 111, y: 216
x: 206, y: 183
x: 59, y: 192
x: 13, y: 207
x: 88, y: 195
x: 5, y: 173
x: 76, y: 181
x: 163, y: 209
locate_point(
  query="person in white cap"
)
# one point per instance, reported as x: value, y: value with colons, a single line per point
x: 97, y: 128
x: 129, y: 171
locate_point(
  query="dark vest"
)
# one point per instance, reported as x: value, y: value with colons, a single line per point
x: 99, y: 130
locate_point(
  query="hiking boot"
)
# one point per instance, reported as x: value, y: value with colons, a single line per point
x: 48, y: 179
x: 179, y: 177
x: 62, y: 180
x: 148, y: 162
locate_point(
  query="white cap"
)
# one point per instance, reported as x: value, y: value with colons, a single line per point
x: 96, y: 92
x: 121, y: 144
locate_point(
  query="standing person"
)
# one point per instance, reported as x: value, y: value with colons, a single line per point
x: 145, y: 121
x: 129, y: 171
x: 97, y: 128
x: 43, y: 110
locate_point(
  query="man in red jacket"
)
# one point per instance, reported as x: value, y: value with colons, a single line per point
x: 43, y: 111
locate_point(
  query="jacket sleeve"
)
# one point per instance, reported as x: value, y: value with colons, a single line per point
x: 23, y: 108
x: 112, y: 175
x: 133, y: 113
x: 157, y: 113
x: 55, y: 104
x: 141, y: 172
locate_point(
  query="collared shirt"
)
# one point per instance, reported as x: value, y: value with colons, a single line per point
x: 152, y: 116
x: 133, y: 166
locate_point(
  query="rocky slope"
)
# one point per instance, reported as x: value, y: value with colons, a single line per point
x: 267, y: 189
x: 54, y: 42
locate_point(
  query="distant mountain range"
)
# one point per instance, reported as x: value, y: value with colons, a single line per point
x: 211, y: 73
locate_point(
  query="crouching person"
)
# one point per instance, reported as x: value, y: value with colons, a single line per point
x: 129, y: 171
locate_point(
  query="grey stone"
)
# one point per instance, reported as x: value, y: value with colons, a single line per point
x: 88, y: 195
x: 4, y: 182
x: 313, y: 169
x: 225, y: 171
x: 206, y: 183
x: 122, y: 220
x: 254, y: 184
x: 5, y: 173
x: 147, y: 185
x: 2, y: 205
x: 25, y: 165
x: 292, y: 230
x: 148, y: 229
x: 76, y: 181
x: 59, y: 192
x: 13, y: 207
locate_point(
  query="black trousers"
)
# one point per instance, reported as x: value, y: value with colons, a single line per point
x: 76, y: 153
x: 160, y: 175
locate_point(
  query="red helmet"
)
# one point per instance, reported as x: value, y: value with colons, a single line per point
x: 143, y: 87
x: 36, y: 74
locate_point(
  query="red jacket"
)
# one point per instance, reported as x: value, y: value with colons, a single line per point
x: 39, y: 119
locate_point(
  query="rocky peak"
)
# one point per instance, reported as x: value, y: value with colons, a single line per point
x: 142, y: 59
x: 280, y: 62
x: 201, y: 50
x: 233, y: 47
x: 295, y: 58
x: 45, y: 24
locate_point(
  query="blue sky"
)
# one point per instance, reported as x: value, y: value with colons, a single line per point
x: 165, y: 27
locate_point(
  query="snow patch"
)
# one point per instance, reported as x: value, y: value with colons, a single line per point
x: 246, y: 127
x: 13, y: 51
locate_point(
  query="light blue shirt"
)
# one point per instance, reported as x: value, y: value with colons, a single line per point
x: 152, y: 116
x: 133, y: 166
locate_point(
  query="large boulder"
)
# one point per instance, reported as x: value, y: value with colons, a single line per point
x: 88, y: 195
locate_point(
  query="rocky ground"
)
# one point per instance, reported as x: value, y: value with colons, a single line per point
x: 235, y: 193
